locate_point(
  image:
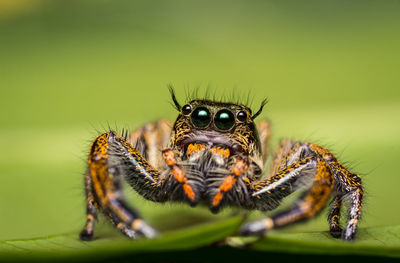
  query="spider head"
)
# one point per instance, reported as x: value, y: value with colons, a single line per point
x: 214, y: 123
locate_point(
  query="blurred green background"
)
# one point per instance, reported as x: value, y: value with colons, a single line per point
x: 68, y: 69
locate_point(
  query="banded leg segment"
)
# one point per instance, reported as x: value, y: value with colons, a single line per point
x: 330, y: 176
x: 309, y: 205
x: 179, y: 175
x: 354, y: 214
x: 111, y: 156
x: 348, y: 186
x: 293, y: 167
x: 334, y: 218
x: 91, y: 213
x: 228, y: 183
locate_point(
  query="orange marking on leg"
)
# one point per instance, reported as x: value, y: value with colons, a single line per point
x: 247, y: 180
x: 239, y: 168
x: 217, y: 199
x: 178, y: 174
x: 169, y: 157
x: 227, y: 184
x: 99, y: 148
x: 188, y: 191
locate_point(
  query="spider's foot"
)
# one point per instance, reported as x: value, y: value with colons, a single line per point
x: 142, y: 228
x: 350, y: 232
x: 336, y: 231
x: 257, y: 228
x: 86, y: 235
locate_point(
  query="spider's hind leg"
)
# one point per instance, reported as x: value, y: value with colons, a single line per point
x: 91, y: 213
x: 334, y: 218
x: 264, y: 131
x: 347, y: 187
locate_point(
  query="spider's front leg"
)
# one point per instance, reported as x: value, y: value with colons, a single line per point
x: 111, y: 157
x: 292, y: 168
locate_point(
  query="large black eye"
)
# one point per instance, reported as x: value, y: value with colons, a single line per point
x: 201, y: 117
x: 186, y: 109
x: 241, y: 116
x: 224, y: 119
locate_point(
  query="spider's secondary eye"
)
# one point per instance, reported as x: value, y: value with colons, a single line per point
x: 187, y: 109
x: 224, y: 119
x: 201, y: 117
x: 241, y: 116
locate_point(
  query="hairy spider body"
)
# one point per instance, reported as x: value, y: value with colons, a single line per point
x: 215, y: 153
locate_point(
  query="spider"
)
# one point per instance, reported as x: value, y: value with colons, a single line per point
x: 215, y: 153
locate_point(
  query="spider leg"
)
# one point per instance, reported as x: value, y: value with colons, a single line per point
x: 347, y: 186
x: 264, y: 131
x: 240, y: 167
x: 111, y: 157
x: 309, y: 205
x: 295, y: 165
x: 88, y: 230
x: 150, y: 139
x: 179, y: 175
x: 334, y: 218
x: 288, y: 167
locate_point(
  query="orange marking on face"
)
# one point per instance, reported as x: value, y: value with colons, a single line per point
x: 220, y: 151
x: 194, y: 148
x: 217, y: 199
x: 178, y: 174
x: 227, y: 184
x: 188, y: 191
x: 239, y: 168
x: 169, y: 157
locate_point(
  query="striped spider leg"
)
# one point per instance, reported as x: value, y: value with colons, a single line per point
x: 295, y: 166
x: 112, y: 158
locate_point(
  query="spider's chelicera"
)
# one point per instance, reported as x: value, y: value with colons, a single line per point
x: 214, y: 153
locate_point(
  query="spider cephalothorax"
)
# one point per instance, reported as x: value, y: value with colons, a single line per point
x: 215, y: 154
x: 227, y: 124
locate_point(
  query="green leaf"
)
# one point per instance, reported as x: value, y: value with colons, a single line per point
x: 375, y: 241
x: 68, y: 246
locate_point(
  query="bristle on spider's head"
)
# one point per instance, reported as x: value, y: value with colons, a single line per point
x: 172, y: 92
x: 260, y: 109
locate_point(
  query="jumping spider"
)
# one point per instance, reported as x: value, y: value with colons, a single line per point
x: 215, y: 153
